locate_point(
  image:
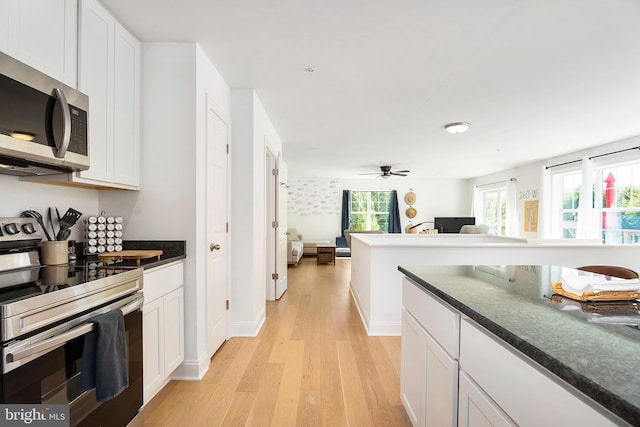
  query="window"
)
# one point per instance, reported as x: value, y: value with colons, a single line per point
x: 494, y: 210
x: 570, y: 185
x: 369, y: 210
x: 613, y: 213
x: 491, y: 206
x: 618, y: 194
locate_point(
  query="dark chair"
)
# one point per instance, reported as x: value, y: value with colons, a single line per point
x: 607, y: 270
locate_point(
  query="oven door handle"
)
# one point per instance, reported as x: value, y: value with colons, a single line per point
x: 58, y: 340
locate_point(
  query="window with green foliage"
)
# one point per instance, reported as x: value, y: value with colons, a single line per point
x: 494, y: 203
x: 618, y: 201
x: 613, y: 214
x: 570, y: 201
x: 369, y: 210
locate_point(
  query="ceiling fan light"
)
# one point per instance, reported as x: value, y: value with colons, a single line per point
x: 458, y: 127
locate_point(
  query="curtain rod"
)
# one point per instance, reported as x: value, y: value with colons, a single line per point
x: 593, y: 157
x: 562, y: 164
x: 614, y: 152
x: 494, y: 183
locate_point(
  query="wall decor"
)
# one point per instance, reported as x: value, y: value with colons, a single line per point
x: 410, y: 198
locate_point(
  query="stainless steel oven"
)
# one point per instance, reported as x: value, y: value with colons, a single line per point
x: 45, y: 315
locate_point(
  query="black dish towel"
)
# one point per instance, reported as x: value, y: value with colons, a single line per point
x: 104, y: 357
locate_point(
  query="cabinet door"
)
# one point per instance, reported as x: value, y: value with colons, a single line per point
x: 429, y: 377
x: 413, y: 375
x: 43, y: 34
x: 442, y: 386
x: 97, y: 28
x: 126, y: 119
x: 153, y: 347
x: 173, y: 331
x: 476, y: 409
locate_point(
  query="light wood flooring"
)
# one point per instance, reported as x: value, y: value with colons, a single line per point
x: 311, y: 365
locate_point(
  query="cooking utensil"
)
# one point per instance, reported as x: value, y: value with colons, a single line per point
x: 67, y: 221
x: 50, y: 218
x: 38, y: 218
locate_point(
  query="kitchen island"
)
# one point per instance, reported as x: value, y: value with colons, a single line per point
x: 375, y: 280
x: 518, y: 353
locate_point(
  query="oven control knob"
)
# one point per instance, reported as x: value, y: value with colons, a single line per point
x: 29, y: 228
x: 11, y: 228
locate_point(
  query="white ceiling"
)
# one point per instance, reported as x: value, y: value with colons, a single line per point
x: 535, y: 78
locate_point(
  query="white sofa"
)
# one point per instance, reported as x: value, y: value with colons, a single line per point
x: 308, y: 246
x: 294, y: 252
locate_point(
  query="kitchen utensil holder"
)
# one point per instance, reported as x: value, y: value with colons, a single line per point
x: 54, y: 252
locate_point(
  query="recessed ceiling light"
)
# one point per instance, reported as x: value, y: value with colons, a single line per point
x: 309, y: 71
x: 458, y: 127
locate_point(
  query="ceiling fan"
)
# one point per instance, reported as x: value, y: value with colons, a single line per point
x: 386, y: 172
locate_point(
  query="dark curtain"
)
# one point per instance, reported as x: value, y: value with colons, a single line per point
x: 346, y: 208
x: 394, y: 214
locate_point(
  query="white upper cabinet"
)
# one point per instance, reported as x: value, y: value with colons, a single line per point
x: 42, y: 34
x: 110, y: 75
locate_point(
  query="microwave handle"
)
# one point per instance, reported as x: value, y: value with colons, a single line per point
x: 63, y: 145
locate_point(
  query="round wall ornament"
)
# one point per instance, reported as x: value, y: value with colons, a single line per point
x: 410, y: 198
x: 411, y: 213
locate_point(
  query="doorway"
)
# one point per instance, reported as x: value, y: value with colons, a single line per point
x: 217, y: 134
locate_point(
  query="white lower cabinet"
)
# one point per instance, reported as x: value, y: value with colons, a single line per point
x: 490, y: 383
x: 163, y: 326
x: 429, y: 378
x: 429, y: 374
x: 476, y: 409
x: 523, y: 391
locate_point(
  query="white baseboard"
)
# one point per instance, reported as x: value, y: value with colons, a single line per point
x: 382, y: 329
x: 191, y: 370
x: 248, y: 329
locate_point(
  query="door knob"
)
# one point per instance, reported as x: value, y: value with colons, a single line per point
x: 214, y: 247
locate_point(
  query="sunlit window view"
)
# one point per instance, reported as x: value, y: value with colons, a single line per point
x: 369, y: 210
x: 620, y: 203
x: 570, y: 203
x: 613, y: 212
x: 495, y: 210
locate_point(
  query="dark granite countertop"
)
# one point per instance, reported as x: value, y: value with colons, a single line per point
x: 595, y: 347
x: 172, y: 250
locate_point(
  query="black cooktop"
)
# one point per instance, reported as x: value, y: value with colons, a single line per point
x: 21, y: 284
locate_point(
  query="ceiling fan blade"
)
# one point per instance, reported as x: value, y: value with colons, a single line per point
x: 398, y: 174
x: 371, y: 173
x: 404, y: 171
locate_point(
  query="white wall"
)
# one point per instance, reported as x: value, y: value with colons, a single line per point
x: 177, y: 78
x: 18, y: 196
x: 252, y: 133
x: 314, y: 205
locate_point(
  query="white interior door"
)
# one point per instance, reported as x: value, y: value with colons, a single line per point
x: 270, y: 218
x: 217, y: 237
x: 281, y: 229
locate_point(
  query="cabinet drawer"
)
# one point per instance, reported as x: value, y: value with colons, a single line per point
x: 524, y: 391
x: 161, y: 280
x: 441, y: 321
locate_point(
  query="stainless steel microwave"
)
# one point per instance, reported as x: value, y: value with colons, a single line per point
x: 43, y: 123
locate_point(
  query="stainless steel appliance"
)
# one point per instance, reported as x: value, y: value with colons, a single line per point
x: 45, y: 312
x: 43, y: 123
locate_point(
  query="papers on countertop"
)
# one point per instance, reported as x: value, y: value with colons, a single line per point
x: 579, y: 285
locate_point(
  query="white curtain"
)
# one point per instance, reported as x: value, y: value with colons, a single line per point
x: 512, y: 224
x: 476, y: 203
x: 585, y: 226
x: 544, y: 207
